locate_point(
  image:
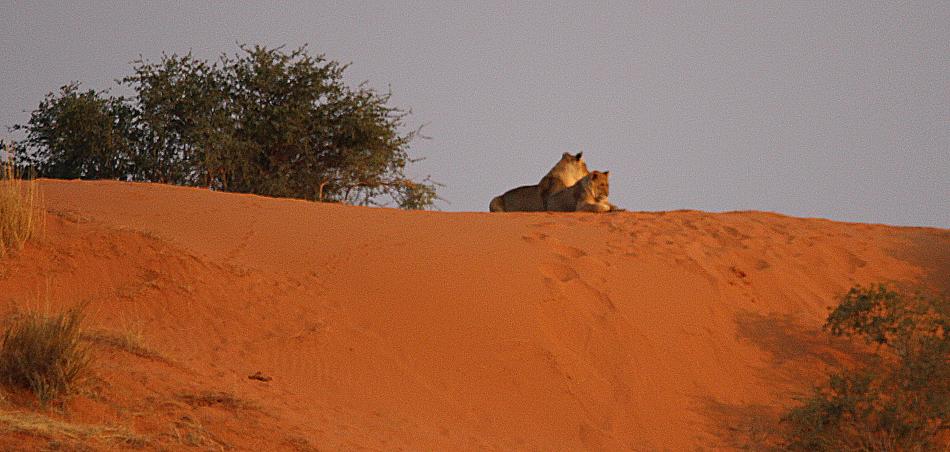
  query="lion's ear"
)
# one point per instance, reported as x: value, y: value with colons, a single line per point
x: 579, y: 155
x: 606, y: 173
x: 566, y: 155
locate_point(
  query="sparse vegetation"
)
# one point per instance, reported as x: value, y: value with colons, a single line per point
x: 264, y: 121
x: 189, y: 432
x: 129, y: 340
x: 899, y: 399
x: 58, y: 431
x: 44, y: 354
x: 129, y: 336
x: 19, y: 209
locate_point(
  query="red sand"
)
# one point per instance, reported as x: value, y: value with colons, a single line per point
x: 385, y: 329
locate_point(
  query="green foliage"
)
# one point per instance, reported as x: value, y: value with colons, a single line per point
x: 43, y: 354
x: 79, y: 134
x: 898, y: 400
x: 264, y: 121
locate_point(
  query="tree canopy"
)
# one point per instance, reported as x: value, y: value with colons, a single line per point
x: 264, y: 121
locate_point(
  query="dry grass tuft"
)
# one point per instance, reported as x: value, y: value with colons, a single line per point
x: 43, y: 354
x: 56, y: 430
x: 20, y: 212
x: 189, y: 432
x: 129, y: 340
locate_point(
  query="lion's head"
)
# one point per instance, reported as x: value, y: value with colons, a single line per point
x: 570, y: 169
x: 598, y: 185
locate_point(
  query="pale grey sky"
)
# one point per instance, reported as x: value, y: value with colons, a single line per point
x: 829, y: 109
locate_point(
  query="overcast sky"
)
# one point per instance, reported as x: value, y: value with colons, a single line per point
x: 821, y: 109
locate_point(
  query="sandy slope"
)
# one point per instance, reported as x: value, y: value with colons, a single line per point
x: 385, y: 329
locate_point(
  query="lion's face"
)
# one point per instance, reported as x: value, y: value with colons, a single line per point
x: 600, y: 184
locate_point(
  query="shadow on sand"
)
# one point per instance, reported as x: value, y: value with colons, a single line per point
x: 799, y: 358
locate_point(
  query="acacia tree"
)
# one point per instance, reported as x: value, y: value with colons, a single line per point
x: 80, y: 134
x: 263, y: 121
x: 180, y: 105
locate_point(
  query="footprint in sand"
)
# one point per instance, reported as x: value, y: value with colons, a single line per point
x: 562, y: 269
x: 559, y: 272
x: 561, y: 250
x: 566, y: 251
x: 534, y: 237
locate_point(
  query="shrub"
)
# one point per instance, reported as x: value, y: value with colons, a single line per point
x: 264, y: 121
x: 43, y: 354
x: 19, y: 209
x: 80, y: 134
x: 900, y: 398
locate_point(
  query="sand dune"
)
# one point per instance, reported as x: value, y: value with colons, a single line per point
x: 385, y: 329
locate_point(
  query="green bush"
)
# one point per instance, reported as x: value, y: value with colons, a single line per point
x: 900, y: 398
x: 43, y: 354
x: 80, y: 134
x: 264, y: 121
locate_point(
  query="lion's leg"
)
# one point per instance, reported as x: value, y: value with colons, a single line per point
x: 587, y: 206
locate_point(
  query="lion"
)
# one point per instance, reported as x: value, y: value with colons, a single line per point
x: 533, y: 198
x: 588, y: 195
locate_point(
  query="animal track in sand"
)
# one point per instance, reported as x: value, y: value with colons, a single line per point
x: 534, y: 236
x: 567, y: 251
x: 559, y: 248
x: 559, y: 272
x: 738, y: 272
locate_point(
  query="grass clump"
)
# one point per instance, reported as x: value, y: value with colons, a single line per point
x: 130, y: 340
x: 19, y: 209
x: 900, y: 398
x: 55, y: 430
x: 43, y: 354
x: 189, y: 432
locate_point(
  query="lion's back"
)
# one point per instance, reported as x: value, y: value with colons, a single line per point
x: 526, y: 198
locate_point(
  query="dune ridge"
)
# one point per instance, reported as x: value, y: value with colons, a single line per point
x: 387, y: 329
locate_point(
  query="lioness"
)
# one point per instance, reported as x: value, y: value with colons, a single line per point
x: 532, y: 198
x: 588, y: 195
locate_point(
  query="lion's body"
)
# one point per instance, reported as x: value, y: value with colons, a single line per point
x: 588, y: 195
x: 567, y: 171
x: 532, y: 198
x: 526, y: 198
